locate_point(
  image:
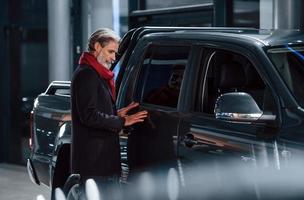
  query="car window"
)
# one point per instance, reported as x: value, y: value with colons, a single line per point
x: 289, y: 62
x: 161, y: 75
x: 63, y: 92
x: 231, y: 72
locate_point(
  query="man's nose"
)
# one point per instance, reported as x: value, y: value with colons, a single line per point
x: 113, y: 57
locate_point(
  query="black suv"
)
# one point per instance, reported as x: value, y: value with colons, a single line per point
x: 226, y: 110
x: 216, y: 97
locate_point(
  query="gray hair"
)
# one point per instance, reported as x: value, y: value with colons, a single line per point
x: 103, y: 36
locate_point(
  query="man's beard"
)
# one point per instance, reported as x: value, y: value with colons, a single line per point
x: 102, y: 61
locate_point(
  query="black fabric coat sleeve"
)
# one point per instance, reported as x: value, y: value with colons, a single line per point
x: 93, y: 102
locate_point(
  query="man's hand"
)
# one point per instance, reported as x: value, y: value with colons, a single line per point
x: 123, y: 112
x: 135, y: 118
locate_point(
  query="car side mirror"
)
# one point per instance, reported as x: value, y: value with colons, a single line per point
x: 240, y: 107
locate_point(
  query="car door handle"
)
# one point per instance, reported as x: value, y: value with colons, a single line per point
x: 189, y: 140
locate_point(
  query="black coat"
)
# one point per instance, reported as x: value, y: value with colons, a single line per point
x: 95, y: 125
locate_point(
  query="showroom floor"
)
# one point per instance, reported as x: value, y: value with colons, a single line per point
x: 15, y: 184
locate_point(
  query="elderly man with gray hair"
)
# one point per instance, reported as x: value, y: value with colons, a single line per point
x: 95, y: 121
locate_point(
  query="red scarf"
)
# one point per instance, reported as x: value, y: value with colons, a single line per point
x: 88, y: 59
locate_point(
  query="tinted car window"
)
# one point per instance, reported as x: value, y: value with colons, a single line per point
x: 289, y: 62
x: 232, y: 72
x: 161, y: 75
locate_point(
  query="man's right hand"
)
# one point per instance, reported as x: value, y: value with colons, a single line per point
x: 135, y: 118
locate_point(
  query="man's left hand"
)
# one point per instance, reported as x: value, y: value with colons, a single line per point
x: 123, y: 112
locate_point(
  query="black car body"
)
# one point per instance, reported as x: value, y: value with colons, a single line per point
x: 211, y: 94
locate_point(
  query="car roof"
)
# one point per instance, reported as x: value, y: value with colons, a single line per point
x: 264, y: 37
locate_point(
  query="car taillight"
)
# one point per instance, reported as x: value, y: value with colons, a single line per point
x: 31, y: 130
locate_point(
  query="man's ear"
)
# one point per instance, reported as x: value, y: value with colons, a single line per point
x: 97, y: 46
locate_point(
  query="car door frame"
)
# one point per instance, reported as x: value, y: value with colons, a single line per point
x: 128, y: 84
x: 252, y: 54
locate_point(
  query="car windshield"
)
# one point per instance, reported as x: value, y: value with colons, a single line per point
x: 289, y: 62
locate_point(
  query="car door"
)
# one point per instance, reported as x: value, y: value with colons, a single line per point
x: 219, y: 155
x: 153, y: 80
